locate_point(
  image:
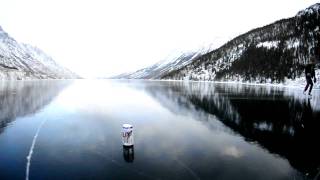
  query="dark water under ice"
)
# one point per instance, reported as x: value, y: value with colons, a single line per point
x: 72, y: 130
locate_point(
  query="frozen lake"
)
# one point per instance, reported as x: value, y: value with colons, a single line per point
x: 72, y: 130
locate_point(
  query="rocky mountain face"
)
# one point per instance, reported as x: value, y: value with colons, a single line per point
x: 22, y: 61
x: 274, y: 53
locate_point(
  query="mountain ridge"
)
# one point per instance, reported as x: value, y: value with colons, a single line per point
x: 274, y: 53
x: 269, y: 54
x: 22, y: 61
x: 168, y: 64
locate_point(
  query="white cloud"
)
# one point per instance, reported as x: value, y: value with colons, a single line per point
x: 96, y: 37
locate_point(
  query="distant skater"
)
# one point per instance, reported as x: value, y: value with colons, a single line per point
x: 310, y: 74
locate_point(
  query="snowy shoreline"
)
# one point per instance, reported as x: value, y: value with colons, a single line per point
x: 292, y: 84
x: 296, y: 84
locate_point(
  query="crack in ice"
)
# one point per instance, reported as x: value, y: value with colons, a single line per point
x: 194, y: 174
x: 31, y: 149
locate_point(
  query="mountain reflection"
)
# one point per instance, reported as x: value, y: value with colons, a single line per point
x: 128, y: 153
x: 279, y: 120
x: 21, y: 98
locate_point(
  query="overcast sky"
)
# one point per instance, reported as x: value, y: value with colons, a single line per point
x: 101, y: 37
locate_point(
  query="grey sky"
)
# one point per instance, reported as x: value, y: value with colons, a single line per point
x: 100, y: 37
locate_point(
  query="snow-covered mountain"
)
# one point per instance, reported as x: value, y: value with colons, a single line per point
x: 159, y: 69
x: 171, y: 63
x: 270, y: 54
x: 23, y: 61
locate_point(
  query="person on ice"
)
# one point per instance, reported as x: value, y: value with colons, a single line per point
x: 310, y: 74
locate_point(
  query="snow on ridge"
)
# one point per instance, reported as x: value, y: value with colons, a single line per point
x: 172, y: 58
x: 310, y: 10
x: 292, y: 43
x: 268, y: 44
x: 23, y: 61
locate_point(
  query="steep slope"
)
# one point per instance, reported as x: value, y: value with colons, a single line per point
x: 273, y: 53
x: 161, y: 68
x: 22, y: 61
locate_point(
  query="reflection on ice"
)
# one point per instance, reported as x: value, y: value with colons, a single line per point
x: 281, y: 120
x: 233, y: 152
x: 183, y: 131
x: 21, y: 98
x: 128, y: 153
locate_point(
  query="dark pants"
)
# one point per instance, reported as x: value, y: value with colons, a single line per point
x: 309, y: 82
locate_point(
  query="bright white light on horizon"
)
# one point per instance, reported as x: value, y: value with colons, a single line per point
x: 103, y: 38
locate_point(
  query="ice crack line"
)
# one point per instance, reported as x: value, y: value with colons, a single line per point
x: 31, y: 149
x: 188, y: 169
